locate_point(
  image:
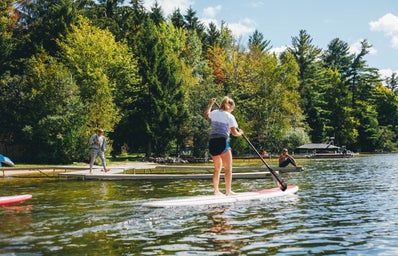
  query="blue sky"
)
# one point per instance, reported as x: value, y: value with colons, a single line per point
x: 280, y: 20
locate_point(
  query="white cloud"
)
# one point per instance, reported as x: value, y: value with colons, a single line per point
x: 257, y: 4
x: 242, y: 28
x: 211, y: 12
x: 207, y: 21
x: 278, y: 50
x: 356, y: 48
x: 388, y: 24
x: 384, y: 73
x: 239, y: 29
x: 169, y: 6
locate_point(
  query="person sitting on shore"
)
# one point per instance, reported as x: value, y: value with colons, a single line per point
x: 285, y: 159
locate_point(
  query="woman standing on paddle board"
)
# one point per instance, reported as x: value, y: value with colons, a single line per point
x: 222, y: 124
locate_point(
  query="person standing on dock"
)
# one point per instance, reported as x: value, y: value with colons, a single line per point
x: 98, y: 148
x: 285, y: 159
x: 222, y: 124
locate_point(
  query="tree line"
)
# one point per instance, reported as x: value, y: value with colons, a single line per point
x: 68, y: 67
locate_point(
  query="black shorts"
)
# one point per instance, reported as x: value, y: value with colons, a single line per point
x: 218, y: 146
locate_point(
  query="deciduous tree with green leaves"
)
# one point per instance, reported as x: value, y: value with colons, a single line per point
x: 101, y: 66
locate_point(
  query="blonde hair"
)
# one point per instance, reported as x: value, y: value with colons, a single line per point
x: 226, y: 103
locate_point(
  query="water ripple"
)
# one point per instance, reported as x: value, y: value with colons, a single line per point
x: 343, y: 207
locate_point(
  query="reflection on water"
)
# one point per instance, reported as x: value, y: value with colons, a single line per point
x: 343, y: 207
x: 221, y: 230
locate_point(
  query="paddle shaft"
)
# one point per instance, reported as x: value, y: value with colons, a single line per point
x: 280, y: 182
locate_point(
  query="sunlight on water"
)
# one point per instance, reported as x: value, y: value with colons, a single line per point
x: 346, y: 207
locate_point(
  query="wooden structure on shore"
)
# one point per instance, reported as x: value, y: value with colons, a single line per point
x: 150, y: 174
x: 42, y: 170
x: 142, y: 172
x: 322, y: 150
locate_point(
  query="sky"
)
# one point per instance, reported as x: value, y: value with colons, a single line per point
x: 280, y: 20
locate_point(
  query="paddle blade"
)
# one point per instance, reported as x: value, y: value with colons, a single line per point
x: 283, y: 185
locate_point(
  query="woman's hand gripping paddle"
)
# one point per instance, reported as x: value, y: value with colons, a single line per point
x: 278, y: 180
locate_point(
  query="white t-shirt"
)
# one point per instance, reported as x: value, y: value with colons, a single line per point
x: 221, y: 123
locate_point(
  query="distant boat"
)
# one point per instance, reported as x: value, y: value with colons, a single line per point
x: 323, y: 150
x: 6, y: 161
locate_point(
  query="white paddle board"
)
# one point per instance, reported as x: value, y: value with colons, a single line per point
x: 222, y: 199
x: 4, y: 200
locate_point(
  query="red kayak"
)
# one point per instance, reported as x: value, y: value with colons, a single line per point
x: 4, y: 200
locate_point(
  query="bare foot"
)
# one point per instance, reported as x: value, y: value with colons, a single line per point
x: 107, y: 170
x: 231, y: 193
x: 218, y: 193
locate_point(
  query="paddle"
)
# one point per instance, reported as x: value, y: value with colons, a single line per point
x: 279, y: 181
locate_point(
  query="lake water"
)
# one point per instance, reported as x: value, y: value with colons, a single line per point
x: 343, y: 207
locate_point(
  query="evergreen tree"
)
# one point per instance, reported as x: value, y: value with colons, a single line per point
x: 341, y: 125
x: 337, y: 62
x: 49, y: 20
x: 177, y: 19
x: 192, y: 23
x: 212, y: 36
x: 363, y: 81
x: 227, y: 41
x: 311, y: 87
x: 337, y: 57
x: 392, y: 83
x: 157, y: 14
x: 160, y: 111
x: 256, y: 41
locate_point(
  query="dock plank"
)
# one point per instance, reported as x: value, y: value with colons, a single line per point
x: 115, y: 176
x: 260, y: 168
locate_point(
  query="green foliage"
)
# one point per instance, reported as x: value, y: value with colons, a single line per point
x: 6, y: 23
x: 133, y: 72
x: 48, y: 20
x: 392, y: 83
x: 267, y: 97
x: 100, y: 66
x: 340, y: 122
x: 387, y: 140
x: 257, y: 41
x: 294, y: 138
x: 311, y: 87
x: 53, y: 113
x: 161, y: 110
x: 15, y: 106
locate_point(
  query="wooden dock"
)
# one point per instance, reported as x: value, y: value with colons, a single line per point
x: 41, y: 170
x: 210, y: 168
x: 121, y: 174
x: 190, y: 176
x: 143, y: 171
